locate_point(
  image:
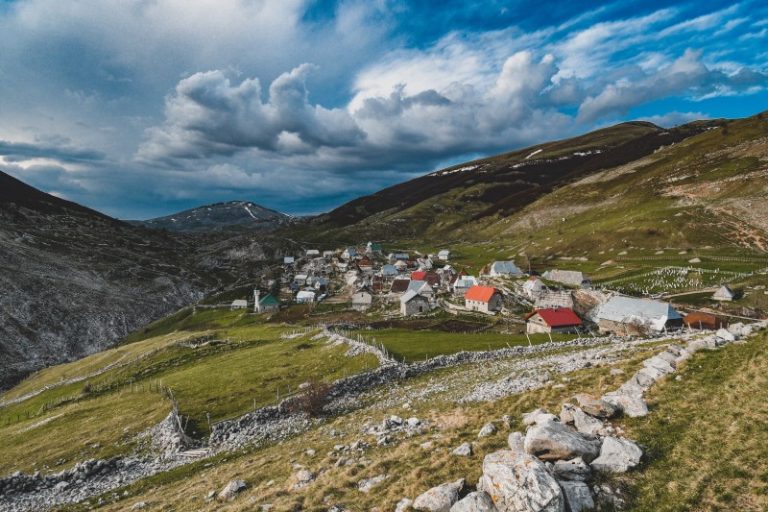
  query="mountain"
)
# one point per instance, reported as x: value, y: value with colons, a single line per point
x: 500, y: 185
x: 232, y: 215
x: 75, y: 281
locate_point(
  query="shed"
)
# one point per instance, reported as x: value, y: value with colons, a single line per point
x: 239, y: 304
x: 288, y: 260
x: 724, y: 293
x: 504, y: 269
x: 698, y: 320
x: 312, y: 253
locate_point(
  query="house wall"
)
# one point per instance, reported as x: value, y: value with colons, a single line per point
x: 536, y: 327
x: 414, y: 307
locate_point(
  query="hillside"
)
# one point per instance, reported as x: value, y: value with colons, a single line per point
x: 75, y: 281
x: 232, y: 215
x: 498, y: 186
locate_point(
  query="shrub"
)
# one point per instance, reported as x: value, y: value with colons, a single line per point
x: 312, y: 399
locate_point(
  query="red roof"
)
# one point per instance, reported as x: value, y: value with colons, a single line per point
x: 481, y: 293
x: 418, y: 276
x: 559, y: 317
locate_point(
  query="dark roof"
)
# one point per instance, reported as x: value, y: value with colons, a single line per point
x: 400, y: 285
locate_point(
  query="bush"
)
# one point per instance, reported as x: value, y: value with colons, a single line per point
x: 312, y: 399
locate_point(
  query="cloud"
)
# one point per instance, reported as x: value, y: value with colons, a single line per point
x: 686, y: 75
x: 207, y: 115
x: 21, y: 151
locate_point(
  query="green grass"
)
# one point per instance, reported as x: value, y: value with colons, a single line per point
x: 409, y: 345
x: 706, y: 435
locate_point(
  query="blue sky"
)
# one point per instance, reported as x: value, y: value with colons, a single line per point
x: 142, y: 108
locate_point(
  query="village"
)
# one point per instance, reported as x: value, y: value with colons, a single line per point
x: 401, y: 285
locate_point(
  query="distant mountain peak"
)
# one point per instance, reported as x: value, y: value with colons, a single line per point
x: 223, y: 216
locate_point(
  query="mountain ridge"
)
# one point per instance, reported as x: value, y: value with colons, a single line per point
x: 221, y: 216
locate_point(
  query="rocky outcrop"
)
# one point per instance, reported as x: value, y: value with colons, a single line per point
x: 517, y: 481
x: 440, y: 498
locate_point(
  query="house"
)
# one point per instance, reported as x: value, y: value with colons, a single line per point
x: 463, y: 284
x: 399, y: 286
x: 697, y: 320
x: 630, y: 315
x: 397, y: 256
x: 239, y: 304
x: 424, y: 263
x: 365, y: 265
x: 319, y: 283
x: 312, y: 253
x: 388, y: 271
x: 421, y: 287
x: 504, y: 269
x: 419, y: 275
x: 328, y: 255
x: 533, y: 287
x: 433, y: 278
x: 568, y: 277
x: 349, y: 253
x: 724, y: 293
x: 413, y: 303
x: 288, y: 260
x: 485, y: 299
x: 265, y: 303
x: 305, y: 297
x: 373, y: 248
x: 300, y: 279
x: 444, y: 255
x: 362, y: 300
x: 562, y: 320
x: 401, y: 265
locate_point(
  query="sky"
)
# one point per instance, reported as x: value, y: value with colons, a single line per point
x: 141, y: 108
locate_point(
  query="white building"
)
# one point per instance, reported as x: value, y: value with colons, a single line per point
x: 504, y: 269
x: 305, y: 297
x: 724, y: 293
x: 630, y: 315
x: 361, y: 300
x: 239, y: 304
x: 444, y: 255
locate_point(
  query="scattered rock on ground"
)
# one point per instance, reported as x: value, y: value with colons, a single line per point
x: 617, y: 455
x: 577, y: 496
x: 555, y: 441
x: 463, y: 450
x: 231, y: 490
x: 479, y: 501
x: 440, y: 498
x: 488, y: 430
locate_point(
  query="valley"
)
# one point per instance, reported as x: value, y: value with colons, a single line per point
x: 392, y: 330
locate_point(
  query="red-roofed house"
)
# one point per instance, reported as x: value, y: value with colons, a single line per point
x: 483, y: 298
x: 418, y: 276
x: 553, y: 320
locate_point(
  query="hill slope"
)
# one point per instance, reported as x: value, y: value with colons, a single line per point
x: 75, y: 280
x: 220, y: 216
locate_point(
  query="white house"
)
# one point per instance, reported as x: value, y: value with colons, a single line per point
x: 328, y: 255
x: 288, y: 260
x: 239, y: 304
x: 485, y: 299
x: 305, y: 297
x: 312, y: 253
x: 444, y: 255
x: 724, y: 293
x: 300, y: 279
x: 504, y: 269
x: 562, y: 320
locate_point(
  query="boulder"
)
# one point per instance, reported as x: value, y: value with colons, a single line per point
x: 520, y: 482
x: 538, y: 416
x: 488, y: 430
x: 659, y: 364
x: 574, y: 470
x: 231, y: 490
x: 478, y: 501
x: 631, y: 405
x: 369, y: 483
x: 403, y: 505
x: 617, y: 455
x: 725, y: 335
x: 516, y: 442
x: 594, y: 406
x: 669, y: 356
x: 740, y: 330
x: 463, y: 450
x: 578, y: 496
x: 555, y: 441
x: 440, y: 498
x: 302, y: 478
x: 647, y: 377
x: 581, y: 421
